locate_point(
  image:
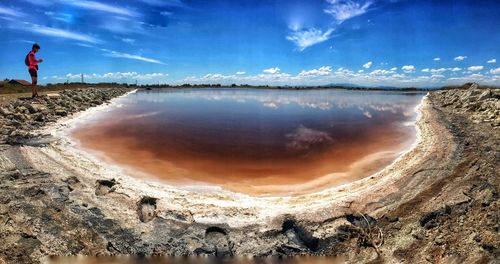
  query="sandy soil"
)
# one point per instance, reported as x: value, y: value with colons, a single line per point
x: 436, y: 203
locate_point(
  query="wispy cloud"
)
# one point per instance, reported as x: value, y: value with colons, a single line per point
x: 240, y: 73
x: 40, y: 3
x: 96, y: 6
x: 492, y: 61
x: 58, y: 33
x: 342, y: 10
x: 116, y: 54
x: 308, y: 37
x: 163, y: 2
x: 128, y: 40
x: 10, y: 12
x: 460, y: 58
x: 437, y: 59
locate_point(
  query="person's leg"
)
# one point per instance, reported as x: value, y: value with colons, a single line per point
x: 34, y: 80
x: 34, y: 91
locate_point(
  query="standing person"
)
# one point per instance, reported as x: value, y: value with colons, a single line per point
x: 32, y: 64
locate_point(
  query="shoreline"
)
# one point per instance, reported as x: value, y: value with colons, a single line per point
x: 325, y: 182
x: 446, y: 178
x: 215, y: 194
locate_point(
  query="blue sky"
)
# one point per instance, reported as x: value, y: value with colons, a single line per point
x: 277, y: 42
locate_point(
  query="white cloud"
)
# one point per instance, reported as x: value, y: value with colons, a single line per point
x: 367, y: 65
x: 495, y: 71
x: 326, y: 75
x: 309, y: 37
x: 475, y: 68
x: 59, y: 33
x: 322, y: 71
x: 460, y: 58
x: 394, y: 69
x: 342, y: 10
x: 437, y: 76
x: 437, y: 59
x: 426, y: 70
x: 455, y: 69
x: 116, y: 54
x: 438, y: 71
x: 240, y: 73
x: 381, y: 72
x: 492, y: 61
x: 96, y: 6
x: 408, y: 68
x: 274, y: 70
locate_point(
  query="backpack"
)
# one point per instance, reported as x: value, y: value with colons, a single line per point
x: 27, y: 60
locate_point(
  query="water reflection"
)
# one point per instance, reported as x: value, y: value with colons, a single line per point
x: 254, y: 140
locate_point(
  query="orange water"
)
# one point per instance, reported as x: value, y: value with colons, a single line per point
x: 260, y: 142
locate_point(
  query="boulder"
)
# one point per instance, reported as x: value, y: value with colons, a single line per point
x: 53, y: 95
x: 39, y: 117
x: 34, y: 108
x: 484, y: 95
x: 22, y: 109
x: 5, y: 112
x: 61, y: 112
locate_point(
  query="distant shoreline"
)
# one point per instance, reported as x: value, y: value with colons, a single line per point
x: 6, y: 88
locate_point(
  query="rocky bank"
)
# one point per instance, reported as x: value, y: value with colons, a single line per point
x: 21, y: 118
x: 437, y: 204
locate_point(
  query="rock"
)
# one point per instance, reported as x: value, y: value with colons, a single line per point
x: 61, y: 112
x: 418, y: 234
x: 485, y: 197
x: 485, y: 95
x: 19, y: 117
x: 39, y: 117
x: 22, y: 109
x: 53, y: 95
x: 5, y: 112
x: 432, y: 219
x: 34, y: 108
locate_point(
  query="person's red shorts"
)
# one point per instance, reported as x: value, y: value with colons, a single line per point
x: 33, y: 72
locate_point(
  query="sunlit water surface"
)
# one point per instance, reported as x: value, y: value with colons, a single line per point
x: 256, y: 141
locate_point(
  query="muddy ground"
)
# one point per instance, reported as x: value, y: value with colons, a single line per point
x: 446, y: 211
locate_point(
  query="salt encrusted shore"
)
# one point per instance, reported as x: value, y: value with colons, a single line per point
x: 437, y: 202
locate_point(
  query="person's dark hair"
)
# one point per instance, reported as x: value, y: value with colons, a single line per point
x: 35, y: 46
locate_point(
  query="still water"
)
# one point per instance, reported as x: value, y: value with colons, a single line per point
x: 256, y: 141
